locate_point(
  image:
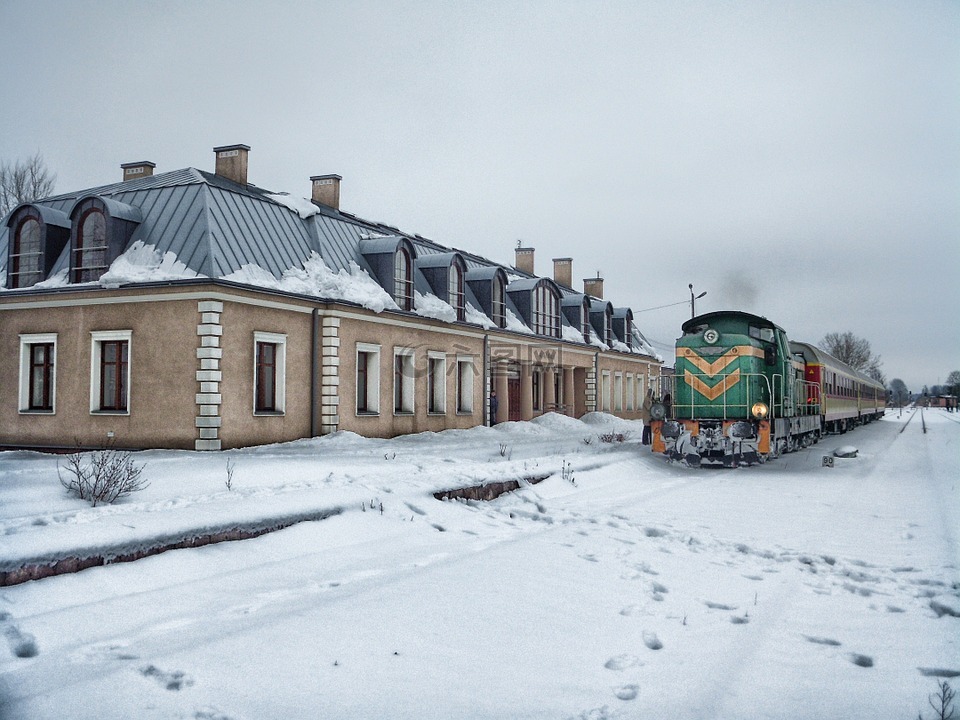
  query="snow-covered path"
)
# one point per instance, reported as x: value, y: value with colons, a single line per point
x: 641, y: 589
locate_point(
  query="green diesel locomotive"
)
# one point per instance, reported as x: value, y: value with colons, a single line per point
x: 742, y: 392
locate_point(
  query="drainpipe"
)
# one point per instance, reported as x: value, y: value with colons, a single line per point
x: 314, y: 379
x: 597, y: 384
x: 487, y: 380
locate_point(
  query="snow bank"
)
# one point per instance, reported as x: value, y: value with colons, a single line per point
x: 472, y: 315
x: 317, y: 279
x: 431, y: 306
x: 513, y: 323
x: 570, y: 334
x: 143, y: 263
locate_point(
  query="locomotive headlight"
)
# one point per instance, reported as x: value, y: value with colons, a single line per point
x: 658, y: 411
x: 759, y: 410
x: 710, y: 336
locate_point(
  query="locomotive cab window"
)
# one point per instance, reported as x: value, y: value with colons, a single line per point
x: 759, y: 333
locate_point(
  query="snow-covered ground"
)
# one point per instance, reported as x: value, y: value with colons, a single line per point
x: 638, y: 589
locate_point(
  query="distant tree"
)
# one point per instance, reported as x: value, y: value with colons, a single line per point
x: 898, y: 391
x: 936, y: 390
x: 953, y: 381
x: 23, y: 181
x: 855, y: 352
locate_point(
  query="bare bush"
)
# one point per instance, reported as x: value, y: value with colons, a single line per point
x: 612, y: 437
x: 941, y: 702
x: 101, y: 476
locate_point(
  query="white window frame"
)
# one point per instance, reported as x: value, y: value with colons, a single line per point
x: 409, y: 372
x: 629, y: 386
x: 97, y: 338
x: 618, y: 392
x: 26, y: 341
x: 280, y: 340
x: 373, y: 380
x: 436, y: 383
x: 605, y: 391
x: 465, y: 384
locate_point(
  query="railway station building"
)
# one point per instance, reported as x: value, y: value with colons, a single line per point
x: 194, y: 310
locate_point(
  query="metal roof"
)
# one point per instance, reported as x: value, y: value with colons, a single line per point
x: 216, y: 226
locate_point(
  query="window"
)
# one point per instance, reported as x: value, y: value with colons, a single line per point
x: 368, y: 379
x: 498, y: 302
x: 537, y: 389
x: 269, y: 373
x: 546, y: 311
x: 455, y: 290
x: 465, y: 372
x: 38, y: 372
x: 436, y: 383
x: 605, y: 391
x: 403, y: 373
x: 585, y: 321
x: 25, y: 259
x: 90, y: 258
x: 558, y: 388
x: 110, y: 371
x: 618, y: 392
x: 630, y: 389
x: 403, y: 279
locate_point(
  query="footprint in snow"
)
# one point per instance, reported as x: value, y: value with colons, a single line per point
x: 718, y: 606
x: 939, y: 672
x: 417, y: 510
x: 622, y: 662
x: 174, y: 680
x: 822, y: 640
x: 627, y: 692
x: 651, y: 640
x: 864, y: 661
x: 22, y: 644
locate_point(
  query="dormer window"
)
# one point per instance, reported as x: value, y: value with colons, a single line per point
x: 101, y: 229
x: 25, y: 258
x: 498, y: 301
x: 90, y: 251
x: 445, y: 274
x: 538, y: 302
x: 455, y: 290
x: 390, y: 261
x: 403, y: 279
x: 585, y: 321
x: 546, y: 311
x: 38, y: 235
x: 623, y: 325
x: 601, y: 319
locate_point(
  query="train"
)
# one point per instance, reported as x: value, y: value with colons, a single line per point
x: 742, y: 393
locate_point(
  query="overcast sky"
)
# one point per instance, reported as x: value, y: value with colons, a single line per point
x: 796, y: 160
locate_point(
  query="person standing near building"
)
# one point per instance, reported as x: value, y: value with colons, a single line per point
x: 494, y: 404
x: 645, y: 416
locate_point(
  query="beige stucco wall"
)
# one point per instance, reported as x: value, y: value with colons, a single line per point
x: 162, y: 373
x: 422, y: 337
x: 167, y: 326
x: 240, y: 425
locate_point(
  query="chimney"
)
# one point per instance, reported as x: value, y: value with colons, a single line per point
x: 524, y: 259
x: 326, y: 190
x: 594, y: 286
x: 232, y: 162
x: 563, y: 271
x: 137, y: 170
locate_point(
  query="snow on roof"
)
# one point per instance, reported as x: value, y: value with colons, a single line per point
x: 142, y: 263
x: 303, y: 207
